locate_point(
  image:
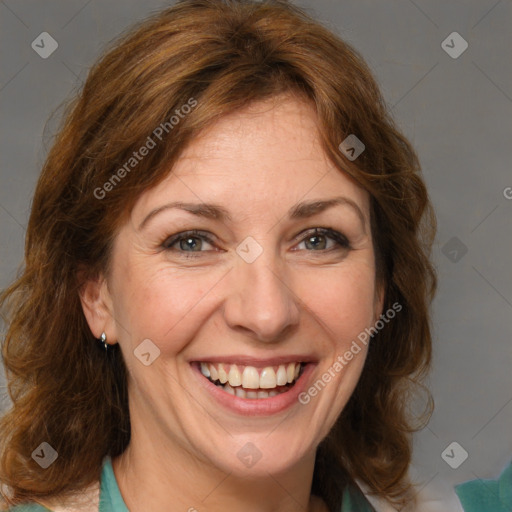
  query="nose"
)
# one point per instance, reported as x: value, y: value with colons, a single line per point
x: 259, y: 300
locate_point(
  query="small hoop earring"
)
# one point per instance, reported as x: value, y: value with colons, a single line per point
x: 103, y: 340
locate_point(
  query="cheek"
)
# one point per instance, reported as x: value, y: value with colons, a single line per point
x: 162, y: 305
x: 342, y: 300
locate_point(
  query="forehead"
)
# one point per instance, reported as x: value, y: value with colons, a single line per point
x: 264, y: 124
x: 268, y: 155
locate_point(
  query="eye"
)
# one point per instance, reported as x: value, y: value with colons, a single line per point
x: 318, y: 240
x: 315, y: 240
x: 188, y: 241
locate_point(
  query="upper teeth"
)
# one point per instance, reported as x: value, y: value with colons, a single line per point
x: 250, y: 377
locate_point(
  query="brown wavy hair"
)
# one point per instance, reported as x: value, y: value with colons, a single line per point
x: 224, y: 54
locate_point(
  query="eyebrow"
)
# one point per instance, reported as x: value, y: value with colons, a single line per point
x: 301, y: 210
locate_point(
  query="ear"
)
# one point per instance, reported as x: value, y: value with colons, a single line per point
x: 97, y: 306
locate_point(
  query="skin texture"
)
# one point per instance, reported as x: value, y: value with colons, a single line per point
x: 302, y: 295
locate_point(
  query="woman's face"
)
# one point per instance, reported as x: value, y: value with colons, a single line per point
x: 220, y: 272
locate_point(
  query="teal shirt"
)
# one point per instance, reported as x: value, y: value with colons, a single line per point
x: 112, y: 501
x: 487, y: 495
x: 110, y: 496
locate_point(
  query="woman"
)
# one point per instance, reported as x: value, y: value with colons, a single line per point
x: 229, y: 209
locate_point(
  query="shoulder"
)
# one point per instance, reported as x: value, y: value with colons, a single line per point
x: 31, y: 507
x: 355, y: 499
x: 360, y: 499
x: 493, y: 495
x: 86, y: 500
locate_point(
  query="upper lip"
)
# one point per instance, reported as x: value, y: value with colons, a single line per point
x: 246, y: 360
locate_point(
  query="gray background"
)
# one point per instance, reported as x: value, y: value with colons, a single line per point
x: 457, y: 112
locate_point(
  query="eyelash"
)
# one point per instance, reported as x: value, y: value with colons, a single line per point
x: 339, y: 238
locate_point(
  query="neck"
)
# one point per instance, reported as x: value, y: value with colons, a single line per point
x: 161, y: 476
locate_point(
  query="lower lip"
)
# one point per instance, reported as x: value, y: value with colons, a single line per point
x: 257, y: 406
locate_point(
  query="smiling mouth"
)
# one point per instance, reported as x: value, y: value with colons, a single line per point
x: 250, y: 382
